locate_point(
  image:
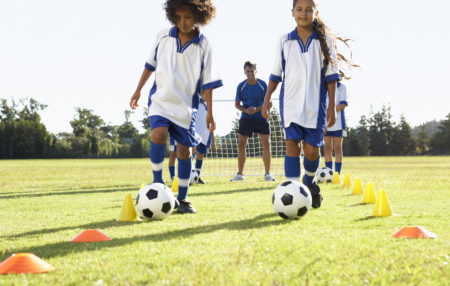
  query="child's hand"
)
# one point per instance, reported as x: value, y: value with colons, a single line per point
x: 331, y: 116
x: 266, y: 108
x: 251, y: 110
x: 210, y: 124
x: 134, y: 100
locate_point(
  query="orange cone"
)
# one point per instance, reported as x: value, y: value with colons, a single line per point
x: 91, y: 235
x: 414, y: 232
x: 24, y: 263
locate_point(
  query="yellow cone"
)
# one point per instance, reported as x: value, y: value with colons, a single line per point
x: 175, y: 185
x: 347, y: 182
x: 382, y: 205
x: 336, y: 178
x: 357, y: 187
x: 369, y: 194
x: 142, y: 185
x: 128, y: 212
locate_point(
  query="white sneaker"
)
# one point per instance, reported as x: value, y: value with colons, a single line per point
x: 238, y: 177
x: 268, y: 177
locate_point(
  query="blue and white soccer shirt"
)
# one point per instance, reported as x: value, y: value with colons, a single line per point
x: 251, y: 95
x: 303, y: 92
x: 341, y: 98
x: 200, y: 124
x: 180, y: 74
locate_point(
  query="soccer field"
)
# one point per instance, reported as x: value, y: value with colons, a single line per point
x: 235, y: 238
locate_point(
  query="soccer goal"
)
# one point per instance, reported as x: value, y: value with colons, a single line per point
x: 223, y: 161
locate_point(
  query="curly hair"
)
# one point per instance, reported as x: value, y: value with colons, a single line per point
x: 204, y: 10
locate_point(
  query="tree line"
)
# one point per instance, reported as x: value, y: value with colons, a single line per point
x: 23, y: 135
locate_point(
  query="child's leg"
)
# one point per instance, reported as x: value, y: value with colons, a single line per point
x: 157, y: 149
x: 311, y: 163
x: 173, y: 156
x: 199, y: 163
x: 338, y: 153
x: 184, y: 170
x: 328, y: 152
x: 292, y: 160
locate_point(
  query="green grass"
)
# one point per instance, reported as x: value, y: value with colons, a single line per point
x: 235, y: 238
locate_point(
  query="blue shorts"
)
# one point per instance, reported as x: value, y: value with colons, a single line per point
x: 337, y: 133
x: 202, y: 148
x: 313, y: 137
x: 173, y: 144
x: 185, y: 137
x: 249, y: 125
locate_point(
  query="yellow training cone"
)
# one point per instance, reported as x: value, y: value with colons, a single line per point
x: 357, y: 187
x: 382, y: 205
x: 142, y: 185
x: 347, y: 182
x: 175, y: 185
x: 336, y: 178
x: 369, y: 194
x: 128, y: 212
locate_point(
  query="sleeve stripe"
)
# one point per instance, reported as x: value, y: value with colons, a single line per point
x: 149, y: 67
x: 275, y: 78
x: 212, y: 85
x: 332, y: 77
x: 343, y: 102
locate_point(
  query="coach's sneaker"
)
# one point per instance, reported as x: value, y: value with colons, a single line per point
x: 238, y: 177
x: 186, y: 207
x: 268, y: 177
x: 315, y: 195
x: 200, y: 181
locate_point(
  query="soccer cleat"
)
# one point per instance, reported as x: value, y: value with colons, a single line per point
x: 176, y: 205
x: 186, y: 207
x: 238, y: 177
x: 200, y: 181
x: 268, y: 177
x: 315, y: 195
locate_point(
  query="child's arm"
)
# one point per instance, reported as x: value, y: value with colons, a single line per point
x: 210, y: 124
x: 331, y: 111
x: 340, y: 107
x: 268, y: 99
x: 137, y: 94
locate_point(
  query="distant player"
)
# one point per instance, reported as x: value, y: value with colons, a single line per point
x: 251, y: 93
x: 183, y: 63
x: 334, y: 135
x: 307, y: 65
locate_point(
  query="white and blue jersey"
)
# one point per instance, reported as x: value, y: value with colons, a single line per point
x: 251, y: 95
x: 200, y: 125
x: 303, y: 95
x: 341, y: 98
x: 180, y: 74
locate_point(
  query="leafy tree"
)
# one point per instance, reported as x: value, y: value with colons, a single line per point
x: 402, y: 142
x: 440, y: 143
x: 422, y: 140
x: 380, y: 131
x: 127, y: 131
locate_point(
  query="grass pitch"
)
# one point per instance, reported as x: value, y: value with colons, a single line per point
x: 235, y: 238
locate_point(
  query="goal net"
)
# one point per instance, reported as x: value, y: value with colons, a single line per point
x: 223, y: 161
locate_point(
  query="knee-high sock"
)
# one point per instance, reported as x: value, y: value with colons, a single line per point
x: 198, y: 166
x: 157, y: 159
x: 172, y: 171
x: 292, y: 168
x: 329, y: 164
x: 338, y: 167
x: 310, y: 171
x: 184, y: 174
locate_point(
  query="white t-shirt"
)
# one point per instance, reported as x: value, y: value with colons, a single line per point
x: 180, y: 74
x: 341, y: 98
x: 303, y: 92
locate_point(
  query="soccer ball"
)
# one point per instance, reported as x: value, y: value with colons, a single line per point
x: 325, y: 175
x: 194, y: 178
x: 155, y: 201
x: 291, y: 200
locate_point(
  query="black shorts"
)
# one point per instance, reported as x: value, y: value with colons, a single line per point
x: 248, y: 125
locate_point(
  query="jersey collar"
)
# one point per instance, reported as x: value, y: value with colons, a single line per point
x: 294, y: 36
x: 174, y: 33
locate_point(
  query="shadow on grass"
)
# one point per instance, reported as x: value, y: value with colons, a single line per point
x: 67, y: 247
x: 192, y: 193
x: 81, y: 192
x: 366, y: 218
x: 358, y: 204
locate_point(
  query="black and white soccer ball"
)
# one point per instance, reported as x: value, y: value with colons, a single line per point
x: 194, y: 178
x: 291, y: 200
x: 155, y: 201
x: 325, y: 175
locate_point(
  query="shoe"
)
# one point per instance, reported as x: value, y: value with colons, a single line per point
x: 238, y: 177
x: 200, y: 181
x: 177, y: 204
x: 186, y: 207
x: 315, y: 195
x: 268, y: 177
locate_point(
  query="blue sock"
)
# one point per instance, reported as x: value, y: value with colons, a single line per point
x: 338, y: 167
x: 198, y: 166
x: 329, y: 164
x: 184, y: 174
x: 157, y: 159
x: 172, y: 171
x: 292, y: 168
x: 310, y: 171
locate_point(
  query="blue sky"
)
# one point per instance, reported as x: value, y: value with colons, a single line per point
x: 91, y: 54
